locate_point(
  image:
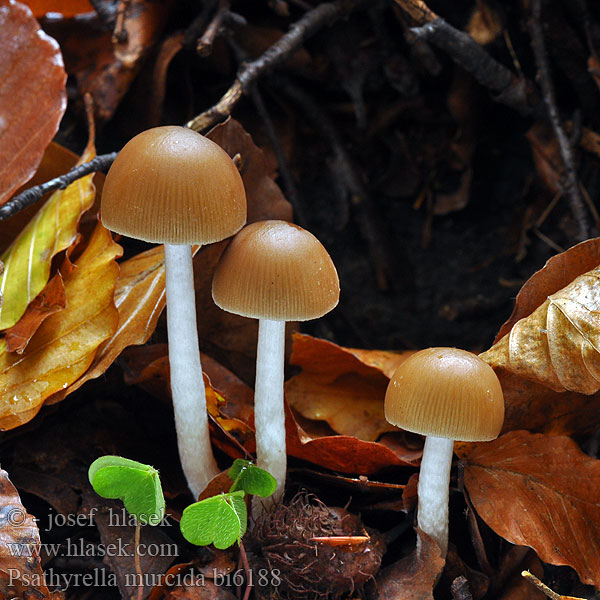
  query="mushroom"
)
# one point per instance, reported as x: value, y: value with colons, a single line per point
x: 445, y: 394
x: 171, y: 185
x: 274, y: 271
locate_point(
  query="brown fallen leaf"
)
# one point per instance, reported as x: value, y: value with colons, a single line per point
x: 21, y: 572
x: 517, y: 588
x: 32, y: 96
x: 49, y: 301
x: 67, y: 8
x: 139, y: 298
x: 65, y: 344
x: 414, y: 576
x: 548, y: 360
x: 539, y: 491
x: 343, y: 386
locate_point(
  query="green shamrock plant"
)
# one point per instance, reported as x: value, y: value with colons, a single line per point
x: 222, y: 520
x: 136, y: 484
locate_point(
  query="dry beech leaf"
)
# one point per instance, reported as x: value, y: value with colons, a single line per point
x: 49, y: 301
x: 65, y: 344
x: 548, y: 362
x: 32, y: 96
x: 539, y: 491
x: 53, y: 229
x: 414, y: 576
x: 19, y: 534
x: 342, y: 386
x: 139, y: 298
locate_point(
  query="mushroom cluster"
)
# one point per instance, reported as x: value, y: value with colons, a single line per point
x: 445, y: 394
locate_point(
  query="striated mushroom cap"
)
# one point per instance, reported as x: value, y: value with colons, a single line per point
x: 173, y: 185
x: 446, y: 392
x: 276, y: 270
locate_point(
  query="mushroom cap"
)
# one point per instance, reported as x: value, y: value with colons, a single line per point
x: 446, y: 392
x: 173, y: 185
x: 276, y: 270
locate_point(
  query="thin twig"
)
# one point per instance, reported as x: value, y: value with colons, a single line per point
x: 205, y: 43
x: 571, y: 186
x: 249, y: 72
x: 32, y: 195
x: 246, y: 566
x: 506, y: 87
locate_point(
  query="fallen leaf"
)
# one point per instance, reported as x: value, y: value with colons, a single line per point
x: 65, y: 344
x: 557, y: 273
x: 542, y: 492
x: 342, y: 386
x: 28, y: 259
x: 49, y: 301
x: 518, y: 588
x: 32, y: 95
x: 414, y: 576
x: 21, y: 572
x: 66, y: 8
x: 140, y: 299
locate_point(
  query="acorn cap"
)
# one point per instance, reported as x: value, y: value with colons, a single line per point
x: 276, y: 270
x: 171, y: 184
x: 446, y: 392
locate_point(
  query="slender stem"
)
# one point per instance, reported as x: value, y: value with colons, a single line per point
x: 269, y: 417
x: 138, y: 564
x: 187, y: 384
x: 434, y: 483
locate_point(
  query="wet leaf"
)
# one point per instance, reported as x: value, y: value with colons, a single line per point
x: 539, y: 491
x: 49, y: 301
x: 20, y: 563
x: 53, y: 229
x: 414, y: 576
x: 32, y: 96
x: 65, y: 344
x: 342, y: 386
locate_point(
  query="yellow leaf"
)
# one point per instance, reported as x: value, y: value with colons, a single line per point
x: 53, y: 229
x: 64, y: 346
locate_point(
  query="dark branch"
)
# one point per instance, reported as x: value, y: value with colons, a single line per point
x: 32, y: 195
x: 249, y: 72
x: 571, y: 186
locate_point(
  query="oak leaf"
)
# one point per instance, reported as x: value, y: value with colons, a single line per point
x: 65, y: 344
x: 539, y: 491
x: 32, y: 96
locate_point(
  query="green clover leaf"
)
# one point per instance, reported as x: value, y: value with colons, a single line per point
x: 220, y: 520
x: 136, y: 484
x: 252, y: 479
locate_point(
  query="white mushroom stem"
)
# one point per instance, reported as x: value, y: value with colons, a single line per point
x: 187, y: 383
x: 269, y: 417
x: 433, y: 491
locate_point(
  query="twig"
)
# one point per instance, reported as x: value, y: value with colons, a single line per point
x: 32, y: 195
x: 249, y: 72
x: 119, y: 32
x: 515, y: 92
x: 566, y: 151
x: 246, y: 566
x: 531, y: 578
x: 205, y: 43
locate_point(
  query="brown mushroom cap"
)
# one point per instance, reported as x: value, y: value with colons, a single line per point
x: 171, y: 184
x: 446, y: 392
x: 276, y: 270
